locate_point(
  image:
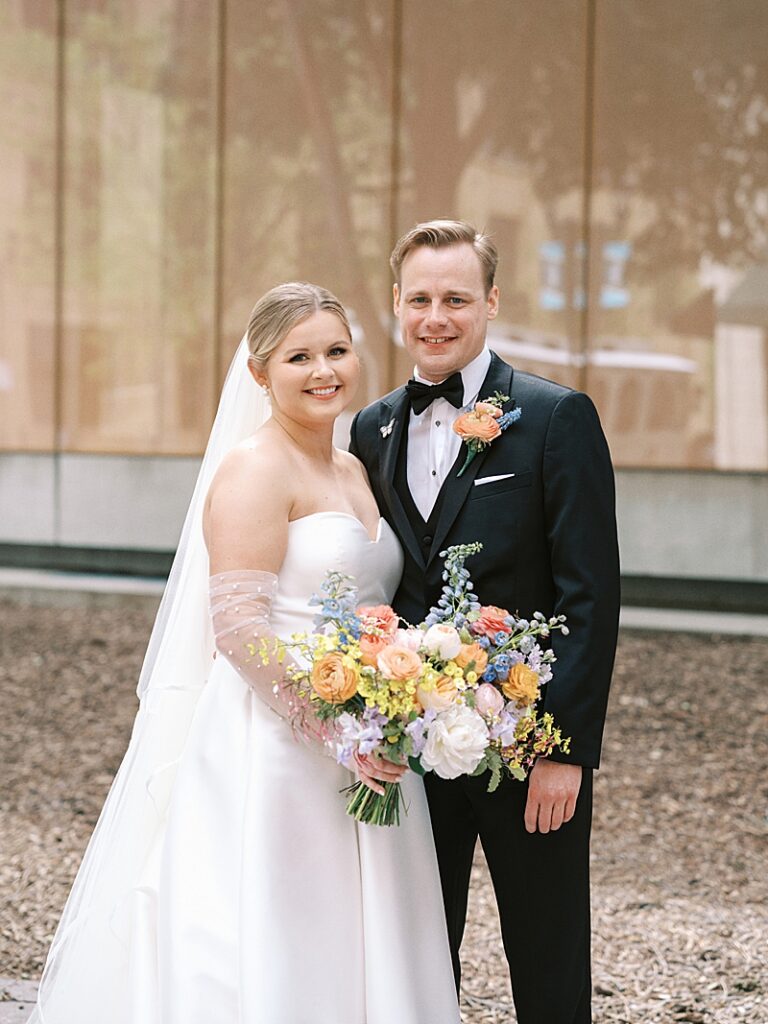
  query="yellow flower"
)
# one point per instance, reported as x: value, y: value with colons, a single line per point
x: 471, y: 678
x: 522, y: 684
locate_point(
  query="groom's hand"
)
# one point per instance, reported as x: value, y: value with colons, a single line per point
x: 552, y: 792
x: 373, y: 770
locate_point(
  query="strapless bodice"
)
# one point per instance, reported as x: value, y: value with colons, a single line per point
x: 337, y: 542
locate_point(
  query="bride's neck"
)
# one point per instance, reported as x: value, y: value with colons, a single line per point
x: 315, y: 441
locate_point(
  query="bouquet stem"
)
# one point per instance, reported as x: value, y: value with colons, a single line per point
x: 373, y: 808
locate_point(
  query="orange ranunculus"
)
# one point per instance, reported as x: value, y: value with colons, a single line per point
x: 474, y: 426
x: 396, y: 662
x: 379, y: 617
x: 521, y: 685
x: 371, y: 646
x: 439, y: 695
x: 472, y: 653
x: 487, y: 407
x: 492, y: 620
x: 332, y: 679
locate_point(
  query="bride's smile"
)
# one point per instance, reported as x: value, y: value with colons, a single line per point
x: 313, y: 372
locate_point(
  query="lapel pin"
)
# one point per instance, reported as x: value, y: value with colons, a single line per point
x: 386, y: 431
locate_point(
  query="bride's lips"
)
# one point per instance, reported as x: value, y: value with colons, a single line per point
x: 324, y: 393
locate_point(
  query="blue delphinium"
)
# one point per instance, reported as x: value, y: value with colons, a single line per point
x: 458, y: 596
x: 337, y: 603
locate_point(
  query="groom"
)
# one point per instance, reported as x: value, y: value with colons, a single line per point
x: 540, y: 498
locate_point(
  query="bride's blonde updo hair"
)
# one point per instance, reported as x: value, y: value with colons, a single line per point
x: 281, y: 309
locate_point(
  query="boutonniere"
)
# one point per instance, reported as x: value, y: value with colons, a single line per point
x: 482, y: 423
x: 387, y: 430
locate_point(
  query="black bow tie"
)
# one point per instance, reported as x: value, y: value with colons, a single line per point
x: 423, y: 395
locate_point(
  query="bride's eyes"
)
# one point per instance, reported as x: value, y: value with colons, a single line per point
x: 336, y: 351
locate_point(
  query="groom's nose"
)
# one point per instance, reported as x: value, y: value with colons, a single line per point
x: 436, y: 313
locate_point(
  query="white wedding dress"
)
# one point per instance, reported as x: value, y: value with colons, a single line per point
x: 261, y: 901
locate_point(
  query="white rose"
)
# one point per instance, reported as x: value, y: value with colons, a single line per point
x: 442, y: 640
x: 456, y: 742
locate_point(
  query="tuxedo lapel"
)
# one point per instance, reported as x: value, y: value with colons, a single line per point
x: 456, y: 488
x: 393, y: 420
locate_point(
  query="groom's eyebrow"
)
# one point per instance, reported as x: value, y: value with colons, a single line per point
x: 462, y: 292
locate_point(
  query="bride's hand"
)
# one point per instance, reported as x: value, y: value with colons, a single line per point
x: 374, y: 770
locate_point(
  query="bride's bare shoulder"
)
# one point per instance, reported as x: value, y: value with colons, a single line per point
x: 245, y: 522
x: 252, y: 475
x: 352, y: 464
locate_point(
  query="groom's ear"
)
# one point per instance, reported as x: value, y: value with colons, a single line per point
x: 396, y: 299
x: 493, y: 303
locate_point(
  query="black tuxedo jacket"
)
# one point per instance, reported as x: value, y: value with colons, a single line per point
x: 548, y: 531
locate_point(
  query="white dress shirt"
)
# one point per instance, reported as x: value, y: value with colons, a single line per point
x: 432, y: 443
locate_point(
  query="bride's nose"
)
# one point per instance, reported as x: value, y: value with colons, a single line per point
x: 322, y: 369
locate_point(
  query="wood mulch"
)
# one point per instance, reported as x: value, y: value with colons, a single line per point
x: 680, y: 890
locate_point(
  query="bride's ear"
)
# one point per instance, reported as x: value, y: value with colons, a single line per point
x: 257, y: 373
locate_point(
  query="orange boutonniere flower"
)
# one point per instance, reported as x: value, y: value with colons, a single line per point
x: 482, y: 424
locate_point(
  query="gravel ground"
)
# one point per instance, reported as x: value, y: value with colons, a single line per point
x: 679, y: 847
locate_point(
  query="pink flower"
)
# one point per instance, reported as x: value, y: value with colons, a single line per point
x: 397, y: 662
x: 371, y: 646
x: 492, y: 620
x: 410, y: 638
x: 378, y: 617
x: 488, y: 700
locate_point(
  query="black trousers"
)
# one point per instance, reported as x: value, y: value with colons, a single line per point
x: 541, y: 884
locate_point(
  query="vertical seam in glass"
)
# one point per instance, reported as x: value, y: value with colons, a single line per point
x: 586, y: 208
x: 396, y: 100
x: 58, y: 264
x: 218, y: 200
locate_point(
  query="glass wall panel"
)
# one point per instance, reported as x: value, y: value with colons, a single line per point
x: 493, y: 132
x: 27, y: 219
x: 307, y: 162
x: 678, y: 272
x: 139, y: 215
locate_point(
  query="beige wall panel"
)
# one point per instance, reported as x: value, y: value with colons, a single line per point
x: 679, y: 219
x: 139, y: 225
x: 27, y: 219
x: 307, y: 161
x: 493, y: 132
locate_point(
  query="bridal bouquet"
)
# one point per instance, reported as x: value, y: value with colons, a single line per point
x: 456, y: 695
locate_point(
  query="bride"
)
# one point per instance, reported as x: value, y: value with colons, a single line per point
x: 224, y: 883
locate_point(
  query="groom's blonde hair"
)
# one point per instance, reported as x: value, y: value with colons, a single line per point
x: 439, y: 234
x: 283, y: 308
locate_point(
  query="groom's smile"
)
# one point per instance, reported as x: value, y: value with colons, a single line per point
x: 443, y: 308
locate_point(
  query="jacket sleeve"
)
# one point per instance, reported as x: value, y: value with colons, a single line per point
x: 353, y: 445
x: 580, y: 516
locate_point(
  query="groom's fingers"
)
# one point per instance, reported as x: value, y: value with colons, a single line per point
x: 535, y: 814
x: 552, y: 793
x: 558, y: 815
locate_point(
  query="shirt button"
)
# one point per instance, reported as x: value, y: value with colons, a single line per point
x: 434, y: 472
x: 437, y: 423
